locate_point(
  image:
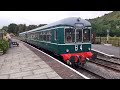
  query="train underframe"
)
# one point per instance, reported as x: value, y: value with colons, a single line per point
x: 77, y: 59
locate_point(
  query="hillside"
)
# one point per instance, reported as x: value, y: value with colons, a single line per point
x: 115, y: 16
x: 109, y: 21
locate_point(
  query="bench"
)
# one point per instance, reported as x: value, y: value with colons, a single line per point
x: 15, y: 43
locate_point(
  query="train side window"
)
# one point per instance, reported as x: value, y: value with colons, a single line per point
x: 39, y: 35
x: 48, y: 36
x: 44, y: 37
x: 55, y: 34
x: 35, y: 36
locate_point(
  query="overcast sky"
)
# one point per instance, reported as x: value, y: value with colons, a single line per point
x: 43, y: 17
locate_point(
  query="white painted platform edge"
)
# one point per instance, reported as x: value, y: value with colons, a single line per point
x: 102, y: 53
x: 60, y: 62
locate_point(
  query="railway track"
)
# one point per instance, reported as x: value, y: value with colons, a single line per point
x: 90, y: 74
x: 107, y: 64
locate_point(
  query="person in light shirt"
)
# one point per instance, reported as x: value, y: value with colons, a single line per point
x: 9, y: 40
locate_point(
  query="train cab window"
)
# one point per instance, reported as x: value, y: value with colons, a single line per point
x: 69, y: 35
x: 86, y: 35
x: 78, y: 35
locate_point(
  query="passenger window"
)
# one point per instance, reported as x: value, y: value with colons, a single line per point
x: 44, y: 36
x: 49, y: 36
x: 55, y: 34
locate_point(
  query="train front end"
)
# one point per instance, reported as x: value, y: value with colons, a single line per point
x: 77, y: 44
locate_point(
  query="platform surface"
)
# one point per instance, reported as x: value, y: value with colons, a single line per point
x: 21, y: 63
x: 111, y: 50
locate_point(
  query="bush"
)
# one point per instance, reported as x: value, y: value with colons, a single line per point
x: 4, y: 46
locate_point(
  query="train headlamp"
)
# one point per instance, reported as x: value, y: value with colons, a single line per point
x: 67, y: 50
x: 89, y: 49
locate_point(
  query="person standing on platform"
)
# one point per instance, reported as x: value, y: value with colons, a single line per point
x: 9, y: 40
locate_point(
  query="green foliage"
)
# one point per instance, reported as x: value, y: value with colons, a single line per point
x: 16, y: 29
x: 4, y: 46
x: 12, y: 28
x: 30, y: 27
x: 5, y: 28
x: 109, y: 21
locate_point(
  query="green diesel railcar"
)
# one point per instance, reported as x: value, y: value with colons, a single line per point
x: 67, y: 37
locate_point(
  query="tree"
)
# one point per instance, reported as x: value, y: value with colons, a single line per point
x: 40, y: 25
x: 30, y: 27
x: 21, y: 28
x: 5, y: 28
x: 13, y: 28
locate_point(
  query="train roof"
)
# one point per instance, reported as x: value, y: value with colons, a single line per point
x: 67, y: 21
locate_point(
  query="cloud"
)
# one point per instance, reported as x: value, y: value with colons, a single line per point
x: 43, y: 17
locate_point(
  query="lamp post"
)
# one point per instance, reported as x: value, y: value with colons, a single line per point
x: 108, y: 35
x: 119, y: 46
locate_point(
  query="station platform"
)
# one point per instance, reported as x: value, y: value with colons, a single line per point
x: 110, y: 50
x: 24, y: 62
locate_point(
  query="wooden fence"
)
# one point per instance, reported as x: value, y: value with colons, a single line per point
x: 115, y: 41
